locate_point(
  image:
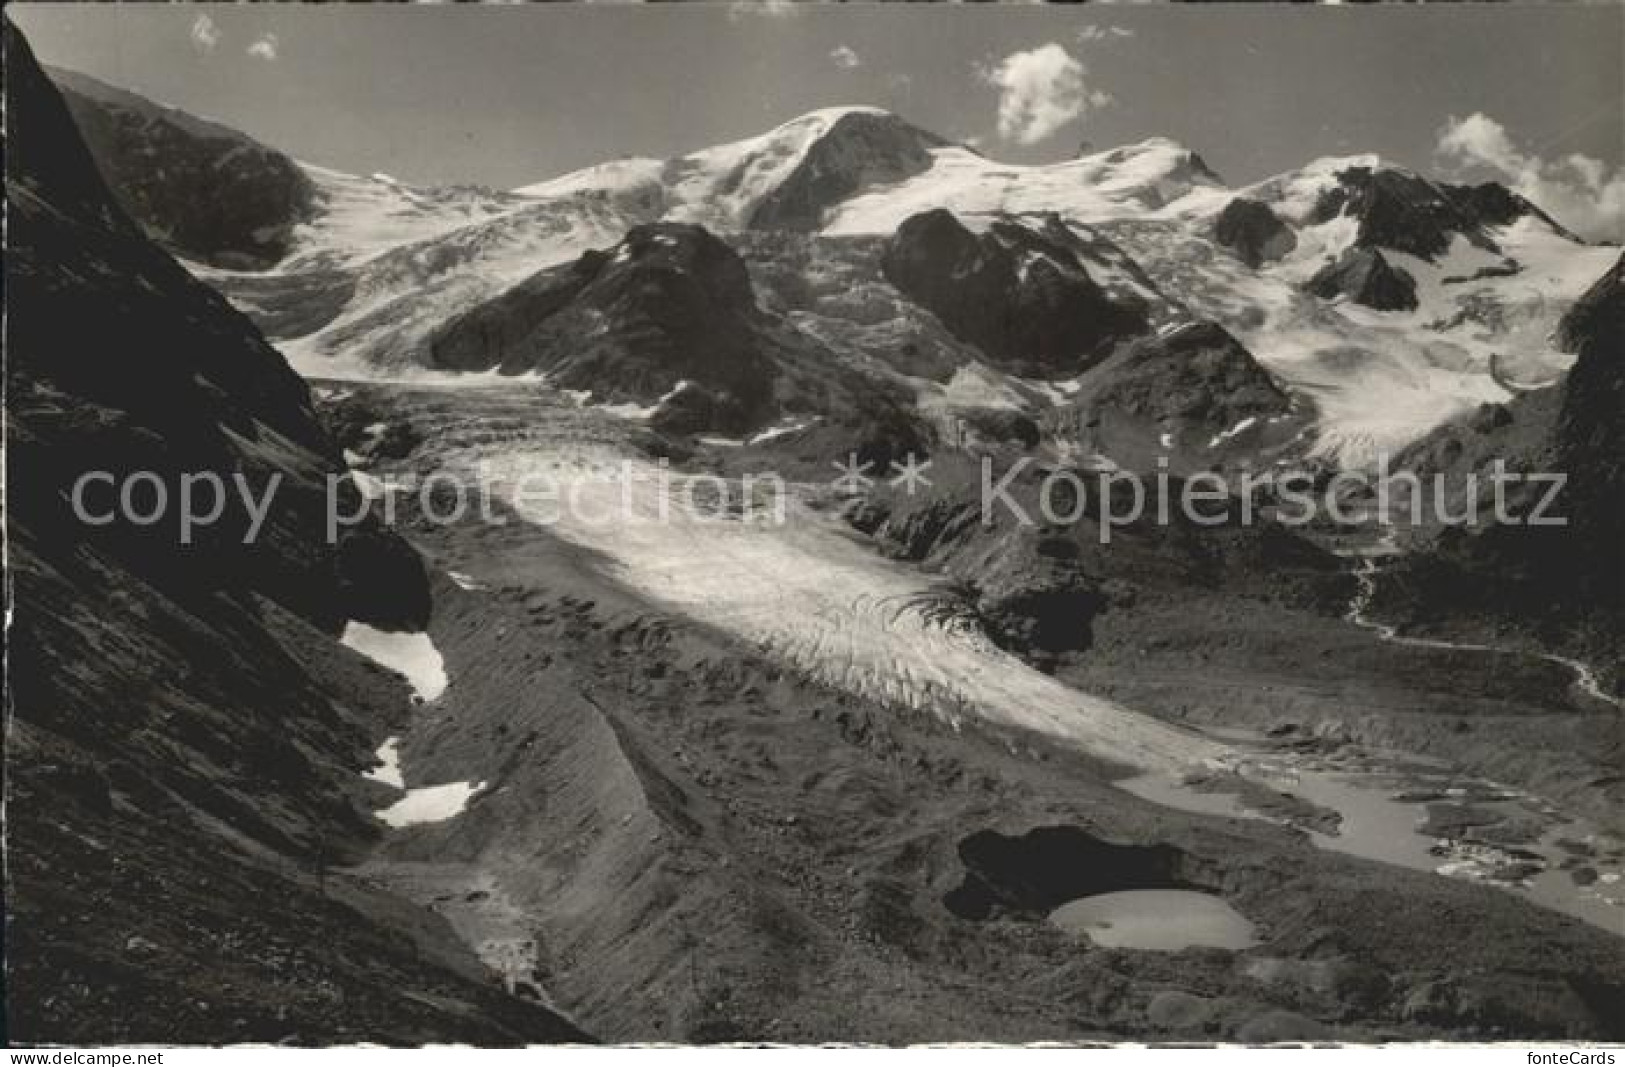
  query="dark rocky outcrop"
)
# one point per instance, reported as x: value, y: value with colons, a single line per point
x: 183, y: 733
x: 860, y: 148
x: 1253, y: 232
x: 1021, y: 295
x: 1590, y: 447
x: 1405, y: 212
x: 1193, y: 377
x: 1034, y: 564
x: 199, y: 189
x: 1598, y: 317
x: 1366, y: 277
x: 1190, y: 395
x: 671, y: 303
x: 1034, y: 599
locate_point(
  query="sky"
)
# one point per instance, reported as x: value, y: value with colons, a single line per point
x: 508, y: 95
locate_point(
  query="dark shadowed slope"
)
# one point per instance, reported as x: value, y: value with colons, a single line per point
x: 1566, y: 583
x: 183, y: 735
x: 1021, y: 294
x: 202, y: 190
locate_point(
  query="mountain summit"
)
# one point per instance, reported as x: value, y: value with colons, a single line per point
x: 783, y: 179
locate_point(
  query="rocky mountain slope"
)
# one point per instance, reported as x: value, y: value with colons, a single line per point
x: 183, y: 731
x: 1189, y: 395
x: 201, y: 190
x: 669, y: 308
x: 1022, y: 295
x: 1560, y: 584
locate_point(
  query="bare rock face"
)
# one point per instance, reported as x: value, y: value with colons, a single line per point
x: 861, y: 148
x: 1195, y: 376
x: 1021, y: 295
x: 1366, y: 277
x: 183, y: 732
x: 1034, y: 598
x: 120, y: 361
x: 1408, y: 213
x: 670, y: 304
x: 1253, y: 232
x: 201, y: 190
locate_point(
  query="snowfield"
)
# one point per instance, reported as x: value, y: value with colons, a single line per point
x: 1128, y: 182
x: 1381, y: 379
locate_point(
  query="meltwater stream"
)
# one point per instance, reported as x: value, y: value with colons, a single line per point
x: 1366, y: 590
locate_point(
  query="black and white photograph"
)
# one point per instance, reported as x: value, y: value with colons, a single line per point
x: 814, y: 524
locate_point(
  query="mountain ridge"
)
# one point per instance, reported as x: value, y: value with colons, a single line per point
x: 1437, y: 284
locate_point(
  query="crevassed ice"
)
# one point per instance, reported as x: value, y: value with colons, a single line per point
x: 805, y: 594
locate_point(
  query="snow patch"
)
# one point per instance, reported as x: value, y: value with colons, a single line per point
x: 783, y: 429
x: 1220, y: 438
x: 410, y: 654
x: 388, y: 770
x: 430, y: 804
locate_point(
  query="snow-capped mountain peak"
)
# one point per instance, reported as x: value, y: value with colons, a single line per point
x: 784, y: 178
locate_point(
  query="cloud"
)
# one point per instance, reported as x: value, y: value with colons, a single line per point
x: 205, y: 34
x: 771, y: 9
x: 845, y: 58
x: 1040, y: 91
x: 1090, y: 33
x: 264, y: 47
x: 1577, y: 190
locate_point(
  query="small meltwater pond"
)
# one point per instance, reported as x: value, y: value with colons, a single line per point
x: 1159, y: 920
